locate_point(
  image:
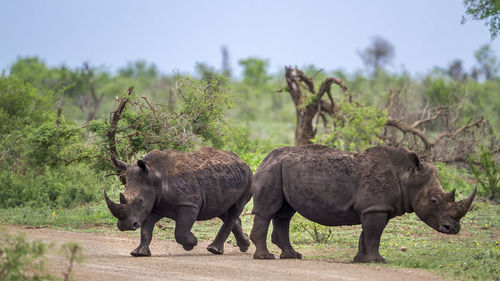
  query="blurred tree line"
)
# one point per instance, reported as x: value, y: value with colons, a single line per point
x: 57, y: 129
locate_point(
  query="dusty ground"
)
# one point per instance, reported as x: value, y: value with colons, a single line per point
x: 107, y: 258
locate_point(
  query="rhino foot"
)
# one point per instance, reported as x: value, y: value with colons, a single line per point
x: 263, y: 256
x: 243, y: 245
x: 367, y: 259
x: 215, y: 250
x: 188, y: 244
x: 141, y: 252
x: 291, y: 255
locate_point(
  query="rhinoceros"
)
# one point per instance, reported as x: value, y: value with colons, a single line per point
x: 333, y: 188
x: 185, y: 187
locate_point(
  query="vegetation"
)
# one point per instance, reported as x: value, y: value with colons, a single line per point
x: 487, y: 174
x: 486, y: 10
x: 21, y: 259
x: 58, y: 132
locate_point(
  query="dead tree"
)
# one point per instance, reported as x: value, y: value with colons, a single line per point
x: 111, y: 134
x: 310, y: 106
x: 447, y: 142
x: 90, y: 103
x: 433, y: 131
x: 59, y: 110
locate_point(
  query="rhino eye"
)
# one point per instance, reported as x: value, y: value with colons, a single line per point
x: 434, y: 200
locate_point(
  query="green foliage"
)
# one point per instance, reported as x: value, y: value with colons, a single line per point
x: 21, y: 104
x: 255, y: 71
x: 440, y: 92
x: 454, y: 177
x: 139, y: 69
x: 238, y: 140
x: 306, y: 231
x: 52, y: 145
x: 73, y: 253
x: 487, y: 173
x: 356, y: 129
x: 489, y: 64
x: 204, y: 104
x: 34, y: 71
x: 20, y: 259
x: 482, y: 99
x: 64, y: 186
x: 485, y: 10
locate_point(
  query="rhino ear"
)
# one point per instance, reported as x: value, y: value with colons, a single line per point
x: 142, y: 165
x: 414, y: 160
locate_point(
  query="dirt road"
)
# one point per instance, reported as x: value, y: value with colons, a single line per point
x: 107, y: 258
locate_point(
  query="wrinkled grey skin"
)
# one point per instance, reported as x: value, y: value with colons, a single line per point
x: 184, y: 187
x: 334, y: 188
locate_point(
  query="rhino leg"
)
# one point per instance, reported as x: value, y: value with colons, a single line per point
x: 146, y: 236
x: 259, y: 236
x: 242, y: 239
x: 373, y: 225
x: 281, y: 232
x: 361, y: 248
x: 229, y: 222
x: 186, y: 216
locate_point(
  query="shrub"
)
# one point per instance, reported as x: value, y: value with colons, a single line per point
x: 64, y: 186
x: 487, y: 173
x: 356, y: 130
x: 22, y: 260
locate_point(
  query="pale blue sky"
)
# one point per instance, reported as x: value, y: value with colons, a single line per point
x: 177, y: 34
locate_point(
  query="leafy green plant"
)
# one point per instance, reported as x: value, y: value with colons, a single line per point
x: 73, y: 253
x: 454, y: 177
x: 487, y: 173
x: 21, y: 259
x: 356, y: 130
x: 440, y: 91
x: 317, y: 233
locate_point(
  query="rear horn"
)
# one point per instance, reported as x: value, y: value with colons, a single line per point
x: 463, y: 205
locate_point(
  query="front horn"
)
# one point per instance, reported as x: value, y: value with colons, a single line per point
x: 464, y: 204
x: 117, y: 210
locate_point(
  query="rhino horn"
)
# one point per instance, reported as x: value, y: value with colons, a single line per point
x: 120, y: 165
x: 464, y: 204
x: 123, y: 200
x: 450, y: 196
x: 117, y: 210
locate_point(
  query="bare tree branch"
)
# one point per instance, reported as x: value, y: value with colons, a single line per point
x: 59, y: 110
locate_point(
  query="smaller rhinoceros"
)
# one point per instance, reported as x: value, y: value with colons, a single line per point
x: 185, y: 187
x: 334, y: 188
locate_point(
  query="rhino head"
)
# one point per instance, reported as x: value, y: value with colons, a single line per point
x: 138, y: 199
x: 431, y: 203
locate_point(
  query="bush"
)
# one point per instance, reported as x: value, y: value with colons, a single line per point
x: 22, y: 260
x: 356, y: 129
x: 316, y: 233
x: 487, y: 173
x: 453, y: 177
x: 64, y: 186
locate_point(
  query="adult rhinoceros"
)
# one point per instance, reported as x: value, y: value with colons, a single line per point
x: 184, y: 187
x: 334, y: 188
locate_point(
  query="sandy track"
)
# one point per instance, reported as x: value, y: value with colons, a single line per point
x: 107, y: 258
